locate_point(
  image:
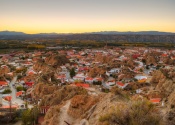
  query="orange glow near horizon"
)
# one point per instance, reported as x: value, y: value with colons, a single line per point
x: 38, y: 26
x: 62, y: 27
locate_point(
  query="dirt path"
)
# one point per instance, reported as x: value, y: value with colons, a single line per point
x: 64, y: 116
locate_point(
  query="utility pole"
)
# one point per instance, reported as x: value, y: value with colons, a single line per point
x: 10, y: 104
x: 0, y: 100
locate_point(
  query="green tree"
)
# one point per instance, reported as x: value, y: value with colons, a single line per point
x: 72, y: 72
x: 26, y: 117
x: 141, y: 70
x: 158, y: 67
x: 144, y: 61
x: 19, y: 76
x: 35, y: 114
x: 19, y: 88
x: 7, y: 91
x: 147, y: 66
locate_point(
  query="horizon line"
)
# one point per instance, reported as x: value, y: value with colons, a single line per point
x: 86, y: 32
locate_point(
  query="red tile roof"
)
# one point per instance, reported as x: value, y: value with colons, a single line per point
x: 155, y: 100
x: 120, y: 83
x: 61, y: 76
x: 3, y: 83
x: 29, y: 83
x: 89, y: 78
x: 19, y: 93
x: 31, y: 73
x: 8, y: 98
x: 82, y: 85
x: 98, y: 78
x: 164, y: 55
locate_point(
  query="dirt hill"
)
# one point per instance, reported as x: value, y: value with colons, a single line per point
x: 80, y: 104
x: 73, y: 105
x: 103, y: 58
x: 96, y: 71
x: 56, y: 60
x: 43, y: 67
x: 165, y: 82
x: 42, y: 89
x: 54, y: 95
x: 165, y: 85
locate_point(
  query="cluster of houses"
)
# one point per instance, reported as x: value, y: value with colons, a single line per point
x: 85, y: 60
x: 122, y: 66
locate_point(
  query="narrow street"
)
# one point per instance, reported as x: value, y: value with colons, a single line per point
x: 15, y: 100
x: 13, y: 94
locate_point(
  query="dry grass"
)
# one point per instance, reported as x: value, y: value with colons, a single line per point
x: 80, y: 104
x: 132, y: 113
x: 62, y: 94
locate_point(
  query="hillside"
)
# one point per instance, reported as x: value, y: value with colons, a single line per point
x: 165, y: 86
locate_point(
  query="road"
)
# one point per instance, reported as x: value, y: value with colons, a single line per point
x: 15, y: 100
x: 13, y: 94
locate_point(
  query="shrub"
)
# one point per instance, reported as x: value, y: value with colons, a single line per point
x: 7, y: 91
x: 147, y: 66
x: 140, y: 112
x: 122, y: 94
x: 19, y: 76
x: 97, y: 83
x: 72, y: 73
x: 27, y: 117
x: 117, y: 91
x: 141, y: 70
x: 19, y: 88
x: 135, y: 79
x: 106, y: 90
x: 104, y: 118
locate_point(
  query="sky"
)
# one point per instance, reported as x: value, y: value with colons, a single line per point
x: 77, y: 16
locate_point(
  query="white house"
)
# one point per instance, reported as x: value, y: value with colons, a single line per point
x: 140, y: 77
x: 79, y: 77
x: 121, y: 85
x: 114, y: 70
x: 89, y: 80
x: 110, y: 83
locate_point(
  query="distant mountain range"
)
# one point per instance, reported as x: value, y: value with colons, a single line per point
x: 14, y: 33
x: 21, y: 33
x: 11, y: 33
x: 135, y: 33
x: 142, y: 36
